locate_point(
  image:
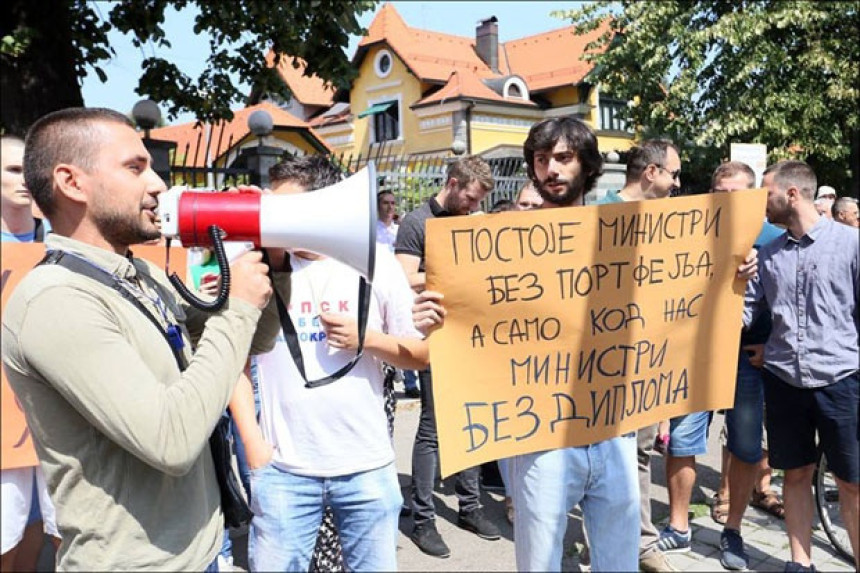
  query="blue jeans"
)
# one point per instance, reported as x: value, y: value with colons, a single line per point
x: 288, y: 510
x: 744, y: 421
x: 688, y: 434
x: 410, y: 380
x: 602, y: 479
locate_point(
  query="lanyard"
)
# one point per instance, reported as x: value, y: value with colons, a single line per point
x: 293, y: 340
x: 172, y: 334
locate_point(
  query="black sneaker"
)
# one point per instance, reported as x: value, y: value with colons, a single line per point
x: 412, y: 393
x: 429, y: 541
x: 795, y: 567
x: 732, y: 554
x: 477, y: 523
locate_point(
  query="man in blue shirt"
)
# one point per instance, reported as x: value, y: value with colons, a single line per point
x: 808, y: 279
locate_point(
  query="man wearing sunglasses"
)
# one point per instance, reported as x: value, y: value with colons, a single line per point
x: 653, y: 172
x: 646, y: 178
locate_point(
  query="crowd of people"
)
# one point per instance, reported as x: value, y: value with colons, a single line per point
x: 304, y: 353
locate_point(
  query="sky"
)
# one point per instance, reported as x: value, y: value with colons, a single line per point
x: 189, y: 51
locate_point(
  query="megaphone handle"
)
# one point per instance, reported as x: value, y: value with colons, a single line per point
x: 215, y: 234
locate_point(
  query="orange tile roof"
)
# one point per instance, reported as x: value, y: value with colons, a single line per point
x: 191, y: 138
x: 433, y: 56
x: 536, y: 58
x: 466, y: 85
x: 308, y: 90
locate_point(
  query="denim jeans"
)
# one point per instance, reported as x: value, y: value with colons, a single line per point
x: 602, y: 479
x: 288, y: 510
x: 688, y: 434
x: 425, y: 454
x: 744, y: 421
x: 410, y: 380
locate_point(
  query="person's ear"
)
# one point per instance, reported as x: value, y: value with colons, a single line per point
x: 70, y: 182
x: 650, y: 172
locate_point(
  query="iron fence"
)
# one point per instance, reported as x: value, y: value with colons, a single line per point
x: 212, y: 162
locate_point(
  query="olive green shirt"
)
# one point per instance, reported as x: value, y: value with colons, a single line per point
x: 122, y: 434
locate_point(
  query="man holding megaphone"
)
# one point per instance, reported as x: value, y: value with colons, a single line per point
x: 98, y: 348
x: 324, y: 439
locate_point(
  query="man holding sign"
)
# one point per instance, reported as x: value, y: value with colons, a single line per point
x: 572, y: 339
x: 564, y: 163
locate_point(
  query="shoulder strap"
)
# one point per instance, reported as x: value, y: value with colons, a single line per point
x: 81, y: 267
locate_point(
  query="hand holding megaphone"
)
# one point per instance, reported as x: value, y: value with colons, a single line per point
x: 250, y: 279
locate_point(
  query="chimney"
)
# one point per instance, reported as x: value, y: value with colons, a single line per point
x: 487, y: 42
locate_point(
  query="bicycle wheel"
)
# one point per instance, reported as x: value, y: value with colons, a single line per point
x: 827, y: 502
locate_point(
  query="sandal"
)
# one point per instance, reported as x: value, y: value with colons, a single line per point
x: 769, y: 502
x: 719, y: 509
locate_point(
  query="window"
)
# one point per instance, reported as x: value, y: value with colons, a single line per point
x: 386, y: 123
x: 612, y: 115
x: 382, y: 63
x: 515, y: 88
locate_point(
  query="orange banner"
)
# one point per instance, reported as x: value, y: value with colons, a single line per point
x: 570, y: 326
x: 16, y: 445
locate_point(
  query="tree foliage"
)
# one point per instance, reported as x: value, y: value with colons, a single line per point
x: 47, y: 48
x: 712, y: 72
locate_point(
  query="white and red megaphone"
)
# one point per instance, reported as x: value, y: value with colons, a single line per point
x: 338, y: 221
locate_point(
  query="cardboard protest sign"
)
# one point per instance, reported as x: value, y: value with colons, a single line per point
x: 568, y: 326
x: 16, y: 444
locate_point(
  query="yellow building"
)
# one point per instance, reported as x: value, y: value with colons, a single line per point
x: 428, y: 93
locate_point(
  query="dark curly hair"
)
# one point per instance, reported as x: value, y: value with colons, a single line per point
x: 578, y: 137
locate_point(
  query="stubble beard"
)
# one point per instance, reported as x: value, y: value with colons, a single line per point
x: 119, y: 229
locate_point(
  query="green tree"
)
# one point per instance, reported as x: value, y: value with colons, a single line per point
x: 46, y: 48
x: 712, y: 72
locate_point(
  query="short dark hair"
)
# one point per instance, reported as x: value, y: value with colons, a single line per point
x: 65, y: 136
x: 792, y: 173
x: 730, y: 169
x: 312, y: 172
x: 578, y: 137
x: 381, y: 193
x: 502, y: 205
x: 468, y: 169
x: 650, y: 151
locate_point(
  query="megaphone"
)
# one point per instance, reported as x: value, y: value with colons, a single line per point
x: 338, y: 221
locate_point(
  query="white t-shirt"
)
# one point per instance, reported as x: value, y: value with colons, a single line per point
x: 386, y: 234
x: 339, y: 428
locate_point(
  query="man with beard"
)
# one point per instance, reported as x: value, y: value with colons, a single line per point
x: 809, y: 283
x: 121, y: 430
x: 564, y: 163
x: 467, y: 182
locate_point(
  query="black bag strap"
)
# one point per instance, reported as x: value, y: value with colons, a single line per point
x: 80, y: 266
x: 292, y: 337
